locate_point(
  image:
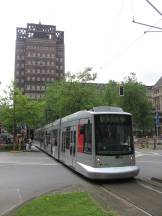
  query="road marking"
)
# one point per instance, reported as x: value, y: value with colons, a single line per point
x: 148, y: 161
x: 19, y: 194
x: 28, y: 163
x: 140, y: 154
x: 149, y: 187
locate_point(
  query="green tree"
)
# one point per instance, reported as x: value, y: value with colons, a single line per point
x: 111, y: 96
x: 136, y: 102
x: 18, y: 109
x: 74, y: 94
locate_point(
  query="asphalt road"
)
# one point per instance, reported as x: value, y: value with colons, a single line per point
x: 150, y: 163
x: 24, y: 175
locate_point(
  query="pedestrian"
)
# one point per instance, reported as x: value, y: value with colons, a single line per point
x: 30, y: 143
x: 155, y: 141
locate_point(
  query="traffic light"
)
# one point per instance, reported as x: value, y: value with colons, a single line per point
x: 121, y: 90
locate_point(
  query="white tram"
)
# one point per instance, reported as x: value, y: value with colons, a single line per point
x: 97, y: 143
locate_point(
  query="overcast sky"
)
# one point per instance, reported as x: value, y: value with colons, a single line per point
x: 98, y: 34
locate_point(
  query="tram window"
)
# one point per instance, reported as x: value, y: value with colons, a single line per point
x: 63, y: 141
x: 74, y: 137
x: 47, y: 138
x: 85, y: 137
x: 113, y: 134
x: 82, y: 129
x: 55, y: 132
x: 67, y: 137
x: 88, y: 138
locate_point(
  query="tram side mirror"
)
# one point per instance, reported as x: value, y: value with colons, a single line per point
x: 82, y: 129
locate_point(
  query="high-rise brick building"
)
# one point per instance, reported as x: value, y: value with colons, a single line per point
x: 39, y: 58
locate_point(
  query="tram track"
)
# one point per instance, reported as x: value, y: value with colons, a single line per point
x: 130, y: 198
x: 126, y: 202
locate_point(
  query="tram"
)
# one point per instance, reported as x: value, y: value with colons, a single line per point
x: 96, y: 143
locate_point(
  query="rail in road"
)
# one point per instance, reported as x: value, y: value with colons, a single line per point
x: 131, y: 198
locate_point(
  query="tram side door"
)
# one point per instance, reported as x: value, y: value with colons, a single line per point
x: 71, y: 157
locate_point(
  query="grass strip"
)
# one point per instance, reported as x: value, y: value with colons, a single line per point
x: 69, y: 204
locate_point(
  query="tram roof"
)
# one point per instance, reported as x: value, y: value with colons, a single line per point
x: 95, y: 110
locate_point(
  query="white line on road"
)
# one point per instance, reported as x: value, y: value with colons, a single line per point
x: 19, y: 194
x: 30, y: 164
x: 154, y: 162
x: 149, y: 187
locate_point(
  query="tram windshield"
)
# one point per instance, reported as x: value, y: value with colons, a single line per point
x: 113, y: 134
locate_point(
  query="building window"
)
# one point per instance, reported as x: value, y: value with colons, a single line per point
x: 38, y: 87
x: 33, y: 87
x: 28, y: 87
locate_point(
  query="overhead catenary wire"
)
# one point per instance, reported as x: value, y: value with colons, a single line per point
x: 153, y: 7
x: 129, y: 45
x: 118, y: 15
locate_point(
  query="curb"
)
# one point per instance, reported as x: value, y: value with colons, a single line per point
x: 159, y: 180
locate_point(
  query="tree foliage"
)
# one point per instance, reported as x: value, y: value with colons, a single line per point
x: 74, y: 94
x: 136, y: 102
x: 16, y: 106
x: 111, y: 94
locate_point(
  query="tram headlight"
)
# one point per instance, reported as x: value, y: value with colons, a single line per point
x: 99, y: 162
x: 131, y: 157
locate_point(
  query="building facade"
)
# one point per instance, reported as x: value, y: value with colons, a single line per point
x: 154, y: 94
x: 39, y: 58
